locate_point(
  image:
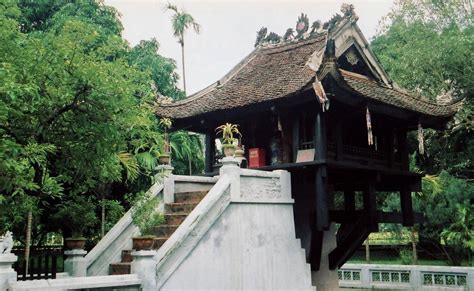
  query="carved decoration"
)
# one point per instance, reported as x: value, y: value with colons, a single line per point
x: 352, y: 57
x: 6, y: 243
x: 261, y: 188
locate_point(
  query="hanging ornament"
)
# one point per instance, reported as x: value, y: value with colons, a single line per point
x: 321, y: 94
x: 421, y: 142
x: 280, y: 128
x: 370, y: 137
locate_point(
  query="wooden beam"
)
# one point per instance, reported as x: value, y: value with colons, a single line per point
x: 403, y: 149
x: 346, y: 217
x: 322, y: 198
x: 391, y: 149
x: 210, y: 151
x: 406, y: 206
x: 339, y: 145
x: 296, y: 136
x: 370, y: 205
x: 349, y: 200
x: 346, y: 248
x: 315, y: 250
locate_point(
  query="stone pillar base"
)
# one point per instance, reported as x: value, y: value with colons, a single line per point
x: 163, y: 171
x: 7, y: 274
x: 75, y: 263
x: 144, y: 265
x: 326, y: 279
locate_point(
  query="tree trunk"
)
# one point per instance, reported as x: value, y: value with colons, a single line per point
x: 29, y: 221
x: 190, y: 167
x: 413, y: 246
x: 102, y: 222
x: 367, y: 251
x: 184, y: 70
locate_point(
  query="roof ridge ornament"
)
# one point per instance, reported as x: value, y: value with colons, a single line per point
x: 349, y: 12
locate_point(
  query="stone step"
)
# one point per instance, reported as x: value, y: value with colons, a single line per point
x: 158, y: 242
x: 127, y: 256
x: 189, y: 197
x: 120, y: 268
x: 179, y: 208
x: 174, y: 219
x: 164, y: 230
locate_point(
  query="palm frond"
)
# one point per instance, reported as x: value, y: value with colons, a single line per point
x: 146, y: 160
x: 129, y: 163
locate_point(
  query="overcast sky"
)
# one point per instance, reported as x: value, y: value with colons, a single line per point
x: 229, y: 28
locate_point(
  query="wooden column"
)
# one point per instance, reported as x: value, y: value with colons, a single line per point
x: 403, y: 149
x: 296, y: 136
x: 390, y: 150
x: 210, y: 151
x: 370, y: 205
x: 321, y: 199
x: 339, y: 140
x: 406, y: 206
x: 349, y: 200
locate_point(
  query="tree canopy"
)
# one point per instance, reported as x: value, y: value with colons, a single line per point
x: 76, y: 108
x: 428, y: 47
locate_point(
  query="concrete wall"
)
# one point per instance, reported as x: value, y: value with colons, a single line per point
x: 241, y: 236
x: 251, y: 246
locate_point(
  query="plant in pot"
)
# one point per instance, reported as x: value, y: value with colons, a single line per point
x: 228, y: 131
x: 164, y: 157
x: 76, y: 215
x: 145, y: 216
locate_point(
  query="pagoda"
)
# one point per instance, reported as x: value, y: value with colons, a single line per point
x: 321, y: 106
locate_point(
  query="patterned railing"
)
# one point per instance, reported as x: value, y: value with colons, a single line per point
x: 406, y: 277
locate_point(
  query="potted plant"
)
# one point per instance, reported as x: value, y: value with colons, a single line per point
x: 76, y: 215
x: 164, y: 157
x: 228, y: 140
x: 145, y: 217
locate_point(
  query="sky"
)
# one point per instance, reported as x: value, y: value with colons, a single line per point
x: 228, y: 28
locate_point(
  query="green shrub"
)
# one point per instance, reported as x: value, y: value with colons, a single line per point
x: 406, y: 255
x: 145, y: 215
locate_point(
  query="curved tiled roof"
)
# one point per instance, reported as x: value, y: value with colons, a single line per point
x: 277, y: 71
x: 398, y: 98
x: 267, y: 73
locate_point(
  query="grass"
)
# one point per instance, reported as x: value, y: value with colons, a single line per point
x: 391, y: 257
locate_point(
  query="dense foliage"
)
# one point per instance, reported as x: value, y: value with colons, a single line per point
x: 76, y: 113
x: 428, y: 47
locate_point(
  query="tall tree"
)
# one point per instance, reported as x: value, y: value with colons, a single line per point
x: 73, y: 112
x: 428, y: 47
x: 181, y: 22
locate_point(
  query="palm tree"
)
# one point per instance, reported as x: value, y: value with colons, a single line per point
x: 182, y: 21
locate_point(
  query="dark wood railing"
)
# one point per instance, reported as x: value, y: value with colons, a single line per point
x: 44, y: 263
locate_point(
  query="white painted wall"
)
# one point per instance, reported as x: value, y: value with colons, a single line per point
x: 251, y: 246
x: 240, y: 237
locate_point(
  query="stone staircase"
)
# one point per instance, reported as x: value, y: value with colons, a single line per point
x: 175, y: 213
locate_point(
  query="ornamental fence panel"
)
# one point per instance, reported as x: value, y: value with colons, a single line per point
x: 44, y: 262
x: 406, y: 277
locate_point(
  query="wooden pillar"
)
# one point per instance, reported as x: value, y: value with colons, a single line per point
x: 370, y: 205
x: 322, y: 197
x: 210, y: 151
x: 403, y: 149
x: 296, y: 136
x: 390, y: 150
x: 349, y: 200
x: 339, y: 153
x: 406, y: 205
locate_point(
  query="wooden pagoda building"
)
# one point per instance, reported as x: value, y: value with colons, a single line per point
x: 322, y: 107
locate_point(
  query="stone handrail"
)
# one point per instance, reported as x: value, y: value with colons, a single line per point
x: 234, y: 185
x: 118, y: 238
x: 132, y: 282
x: 185, y: 238
x: 410, y: 277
